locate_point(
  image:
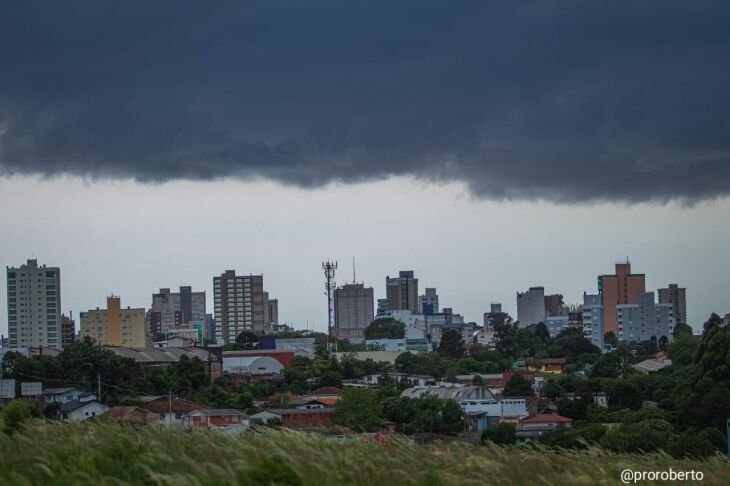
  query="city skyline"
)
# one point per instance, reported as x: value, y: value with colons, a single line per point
x: 465, y: 283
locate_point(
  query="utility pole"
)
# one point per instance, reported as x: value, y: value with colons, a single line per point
x: 98, y: 386
x: 170, y: 414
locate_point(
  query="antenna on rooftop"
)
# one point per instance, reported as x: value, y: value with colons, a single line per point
x: 354, y: 280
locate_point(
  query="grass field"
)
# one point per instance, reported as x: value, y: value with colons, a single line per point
x: 106, y: 453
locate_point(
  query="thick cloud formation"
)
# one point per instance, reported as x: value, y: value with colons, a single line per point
x: 568, y: 101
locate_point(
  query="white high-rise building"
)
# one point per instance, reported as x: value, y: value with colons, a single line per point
x: 647, y: 319
x: 34, y: 305
x: 592, y: 314
x: 531, y: 306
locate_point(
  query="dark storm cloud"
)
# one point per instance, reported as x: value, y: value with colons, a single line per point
x: 568, y: 101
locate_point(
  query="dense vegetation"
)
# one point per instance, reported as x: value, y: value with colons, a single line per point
x: 680, y: 409
x: 106, y: 453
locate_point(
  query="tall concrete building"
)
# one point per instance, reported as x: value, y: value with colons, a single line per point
x: 554, y: 305
x: 402, y: 292
x: 677, y: 296
x: 173, y: 310
x: 531, y: 306
x: 644, y: 320
x: 621, y: 288
x: 239, y: 304
x: 429, y: 302
x: 353, y: 311
x: 272, y: 308
x: 592, y: 317
x: 34, y: 305
x: 114, y: 326
x: 68, y: 330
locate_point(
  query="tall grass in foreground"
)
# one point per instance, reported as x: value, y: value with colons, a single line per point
x: 107, y: 453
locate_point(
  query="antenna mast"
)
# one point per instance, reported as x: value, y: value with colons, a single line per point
x: 329, y: 275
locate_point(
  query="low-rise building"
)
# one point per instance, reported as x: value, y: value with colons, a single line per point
x: 215, y: 418
x: 132, y: 415
x: 541, y: 424
x: 62, y: 395
x: 651, y: 365
x: 552, y: 365
x: 298, y: 418
x: 170, y: 411
x: 80, y: 409
x: 411, y: 379
x: 252, y: 365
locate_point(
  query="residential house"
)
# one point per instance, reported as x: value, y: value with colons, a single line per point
x: 170, y: 411
x: 541, y: 424
x: 299, y: 418
x: 552, y: 365
x: 215, y: 418
x: 82, y: 409
x: 132, y: 415
x: 62, y: 395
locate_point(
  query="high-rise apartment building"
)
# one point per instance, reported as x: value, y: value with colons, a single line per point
x: 429, y: 302
x: 402, y: 292
x: 34, y: 305
x: 644, y: 320
x: 592, y: 317
x: 621, y: 288
x: 677, y: 296
x: 554, y: 305
x: 68, y: 330
x: 173, y: 310
x: 114, y: 326
x: 531, y: 306
x: 239, y: 304
x: 353, y: 311
x: 272, y: 307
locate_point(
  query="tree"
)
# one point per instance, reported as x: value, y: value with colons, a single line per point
x: 552, y: 389
x: 574, y: 409
x: 452, y: 417
x: 683, y: 349
x: 608, y: 365
x: 517, y: 386
x: 358, y: 409
x: 610, y: 338
x: 500, y: 434
x: 690, y: 444
x: 385, y: 328
x: 14, y: 415
x: 647, y: 436
x: 246, y: 340
x: 331, y: 378
x: 477, y: 380
x: 682, y: 329
x: 451, y: 345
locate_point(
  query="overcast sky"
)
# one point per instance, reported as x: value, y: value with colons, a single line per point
x: 488, y: 146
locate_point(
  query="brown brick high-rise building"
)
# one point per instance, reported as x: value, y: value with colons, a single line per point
x: 622, y: 288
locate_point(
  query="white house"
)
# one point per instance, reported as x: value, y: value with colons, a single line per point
x: 252, y: 365
x: 79, y: 410
x: 62, y: 395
